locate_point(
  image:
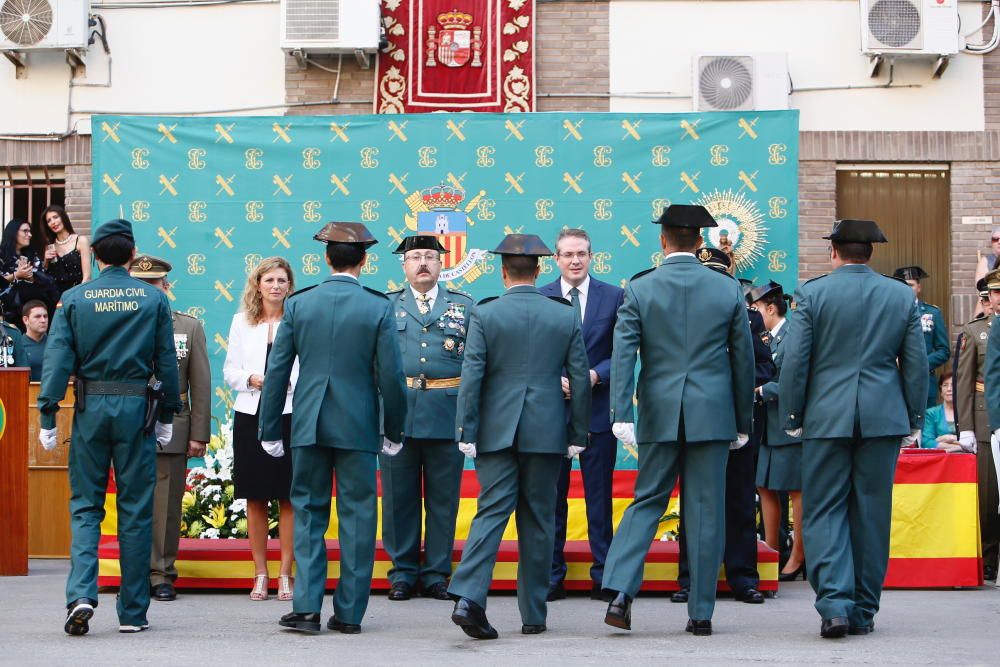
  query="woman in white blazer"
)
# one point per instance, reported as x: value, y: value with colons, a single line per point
x: 258, y: 477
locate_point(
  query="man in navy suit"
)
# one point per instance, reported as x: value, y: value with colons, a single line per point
x: 597, y: 304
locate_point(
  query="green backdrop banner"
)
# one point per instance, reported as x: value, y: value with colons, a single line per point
x: 216, y: 195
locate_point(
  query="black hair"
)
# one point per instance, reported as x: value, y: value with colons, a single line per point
x: 851, y: 251
x: 114, y: 250
x: 43, y: 233
x: 778, y: 300
x: 8, y: 244
x: 344, y: 255
x: 682, y: 238
x: 520, y: 267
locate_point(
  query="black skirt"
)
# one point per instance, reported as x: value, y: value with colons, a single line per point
x: 256, y: 474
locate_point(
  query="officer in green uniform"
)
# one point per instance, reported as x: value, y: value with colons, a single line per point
x: 192, y: 431
x: 932, y: 324
x: 344, y: 336
x: 113, y: 333
x: 12, y: 353
x: 512, y: 421
x: 853, y: 382
x: 695, y: 400
x: 431, y: 323
x: 981, y: 350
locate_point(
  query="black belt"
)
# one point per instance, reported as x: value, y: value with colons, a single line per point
x: 115, y: 388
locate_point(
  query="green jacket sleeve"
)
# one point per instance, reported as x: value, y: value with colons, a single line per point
x: 277, y: 377
x: 625, y: 345
x: 20, y: 354
x: 473, y: 369
x: 389, y: 374
x: 991, y: 373
x: 741, y: 363
x: 578, y: 373
x: 913, y: 365
x: 58, y: 365
x: 794, y: 378
x: 165, y: 363
x: 940, y: 352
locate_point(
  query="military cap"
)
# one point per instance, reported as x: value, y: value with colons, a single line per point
x: 686, y: 215
x: 993, y: 279
x: 419, y: 242
x: 984, y: 291
x: 112, y: 227
x: 747, y: 285
x: 147, y: 266
x: 529, y: 245
x: 714, y: 258
x: 910, y: 273
x: 353, y: 233
x: 856, y: 231
x: 758, y: 293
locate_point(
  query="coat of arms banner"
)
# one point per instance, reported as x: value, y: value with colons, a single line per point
x: 457, y: 55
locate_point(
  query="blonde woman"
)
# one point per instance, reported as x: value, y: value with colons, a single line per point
x: 258, y: 477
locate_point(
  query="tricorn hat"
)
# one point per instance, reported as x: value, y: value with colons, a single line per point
x: 758, y: 293
x: 354, y: 233
x: 113, y: 227
x: 714, y: 258
x: 910, y: 273
x: 147, y: 266
x: 419, y: 242
x: 529, y: 245
x: 984, y: 291
x: 686, y: 215
x: 856, y: 231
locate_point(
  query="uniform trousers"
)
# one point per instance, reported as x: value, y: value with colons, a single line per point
x: 171, y: 471
x: 989, y: 519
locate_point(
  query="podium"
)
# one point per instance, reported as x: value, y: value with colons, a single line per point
x: 14, y: 471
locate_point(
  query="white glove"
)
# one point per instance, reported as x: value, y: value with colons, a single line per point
x: 390, y: 448
x: 912, y: 440
x: 164, y: 432
x: 741, y: 440
x: 275, y: 448
x: 468, y: 448
x: 48, y: 438
x: 794, y: 433
x: 573, y: 451
x: 967, y: 441
x: 624, y: 431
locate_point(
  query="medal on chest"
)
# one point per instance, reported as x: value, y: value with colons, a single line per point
x: 181, y: 345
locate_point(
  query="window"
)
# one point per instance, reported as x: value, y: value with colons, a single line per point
x: 26, y: 191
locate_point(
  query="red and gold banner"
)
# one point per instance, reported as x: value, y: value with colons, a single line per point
x: 457, y: 55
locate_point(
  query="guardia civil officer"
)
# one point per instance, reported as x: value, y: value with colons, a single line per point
x: 12, y: 352
x: 853, y: 382
x: 113, y: 333
x: 695, y: 399
x: 431, y: 322
x: 192, y: 431
x: 987, y: 399
x: 932, y: 324
x: 344, y: 336
x: 512, y: 421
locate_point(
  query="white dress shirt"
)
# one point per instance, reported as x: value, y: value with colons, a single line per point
x: 777, y: 327
x: 432, y: 294
x: 584, y: 289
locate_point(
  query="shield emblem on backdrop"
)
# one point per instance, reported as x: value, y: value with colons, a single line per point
x: 455, y: 48
x: 451, y: 230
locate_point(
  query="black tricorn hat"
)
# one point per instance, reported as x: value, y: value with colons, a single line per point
x: 746, y: 284
x: 910, y: 273
x: 419, y: 242
x: 981, y: 287
x: 529, y: 245
x: 714, y: 258
x: 856, y: 231
x: 686, y: 215
x: 758, y: 293
x: 354, y: 233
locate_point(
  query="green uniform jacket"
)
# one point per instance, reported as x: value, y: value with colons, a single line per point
x: 992, y: 377
x: 115, y: 328
x: 776, y: 435
x: 971, y: 414
x: 194, y: 421
x: 432, y: 345
x: 11, y: 347
x: 855, y: 360
x: 689, y: 324
x: 935, y: 335
x: 345, y: 338
x: 517, y: 349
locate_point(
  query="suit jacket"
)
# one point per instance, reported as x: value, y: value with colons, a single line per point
x: 246, y: 355
x: 515, y: 353
x: 690, y: 325
x: 776, y: 435
x: 855, y: 359
x: 970, y: 365
x: 194, y: 421
x: 603, y: 301
x: 344, y: 336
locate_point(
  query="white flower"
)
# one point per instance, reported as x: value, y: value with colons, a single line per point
x: 210, y: 534
x: 217, y: 497
x: 239, y: 505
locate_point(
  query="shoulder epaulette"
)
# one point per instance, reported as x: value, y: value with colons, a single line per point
x: 931, y: 305
x: 396, y: 291
x: 304, y: 289
x: 562, y: 300
x: 816, y: 278
x: 183, y: 314
x: 897, y: 278
x: 459, y: 292
x: 375, y: 291
x: 978, y: 318
x: 642, y: 273
x: 487, y: 300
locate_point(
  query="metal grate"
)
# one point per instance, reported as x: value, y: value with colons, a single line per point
x: 25, y: 22
x: 312, y: 20
x: 26, y: 191
x: 894, y: 23
x: 725, y: 82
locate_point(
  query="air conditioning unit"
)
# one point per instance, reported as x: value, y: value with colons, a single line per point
x: 910, y: 27
x: 734, y: 82
x: 35, y: 25
x: 330, y: 26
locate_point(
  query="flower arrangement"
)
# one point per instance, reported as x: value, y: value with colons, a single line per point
x: 209, y: 510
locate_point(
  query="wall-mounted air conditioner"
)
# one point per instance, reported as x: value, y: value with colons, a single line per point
x: 35, y: 25
x: 734, y: 82
x: 330, y: 26
x: 909, y: 27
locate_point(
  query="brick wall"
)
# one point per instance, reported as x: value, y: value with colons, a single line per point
x: 78, y: 196
x: 973, y: 193
x: 314, y: 87
x: 817, y: 209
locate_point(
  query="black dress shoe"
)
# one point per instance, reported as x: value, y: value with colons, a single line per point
x: 833, y: 628
x: 861, y: 629
x: 533, y: 629
x: 472, y: 619
x: 990, y: 573
x: 438, y: 591
x: 78, y: 614
x: 599, y: 593
x: 164, y: 592
x: 400, y: 591
x: 750, y: 596
x: 792, y: 576
x: 557, y: 592
x: 301, y: 622
x: 681, y: 596
x: 619, y: 612
x: 699, y: 628
x: 346, y: 628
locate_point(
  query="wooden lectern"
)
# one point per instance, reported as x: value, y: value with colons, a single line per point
x: 14, y: 471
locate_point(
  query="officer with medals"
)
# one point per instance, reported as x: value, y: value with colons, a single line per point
x: 853, y: 382
x: 978, y: 381
x: 431, y: 322
x: 932, y: 323
x: 512, y: 421
x: 344, y: 336
x: 695, y: 402
x: 192, y: 431
x: 113, y: 333
x: 12, y: 352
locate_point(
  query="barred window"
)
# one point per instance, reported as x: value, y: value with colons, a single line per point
x: 26, y: 191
